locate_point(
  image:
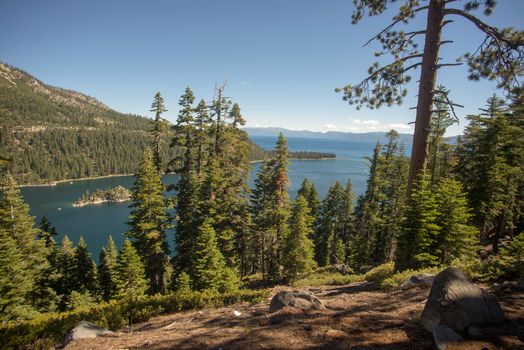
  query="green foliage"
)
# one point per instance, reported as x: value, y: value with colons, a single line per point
x: 115, y: 315
x: 80, y: 299
x: 182, y: 283
x: 380, y: 273
x: 270, y: 210
x: 509, y: 263
x: 47, y: 231
x: 336, y: 224
x: 148, y: 223
x: 491, y: 158
x: 130, y: 276
x: 326, y: 276
x: 209, y: 261
x: 298, y: 249
x: 24, y: 260
x: 435, y: 227
x: 107, y: 270
x: 85, y: 269
x: 394, y: 280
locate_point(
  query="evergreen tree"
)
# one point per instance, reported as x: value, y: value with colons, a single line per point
x: 309, y: 192
x: 63, y: 261
x: 15, y: 281
x: 29, y: 258
x: 270, y: 210
x: 85, y: 269
x: 148, y: 223
x: 107, y: 270
x: 159, y: 129
x: 130, y: 278
x: 47, y: 231
x: 490, y: 166
x: 209, y: 262
x: 367, y: 213
x: 298, y: 251
x: 435, y: 226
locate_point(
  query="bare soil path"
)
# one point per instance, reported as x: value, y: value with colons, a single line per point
x: 358, y: 317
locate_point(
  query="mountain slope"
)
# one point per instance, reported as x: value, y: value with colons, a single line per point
x: 55, y: 134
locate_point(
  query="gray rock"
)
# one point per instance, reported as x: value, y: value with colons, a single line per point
x: 457, y: 303
x: 445, y: 336
x: 302, y: 300
x: 423, y: 279
x: 85, y: 330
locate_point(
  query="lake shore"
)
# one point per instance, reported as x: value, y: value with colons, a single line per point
x: 54, y: 183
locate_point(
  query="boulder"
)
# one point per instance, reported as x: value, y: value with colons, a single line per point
x: 445, y: 336
x: 85, y: 330
x: 456, y: 302
x: 301, y: 300
x: 423, y: 279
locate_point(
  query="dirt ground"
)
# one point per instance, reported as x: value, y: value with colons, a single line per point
x: 358, y: 317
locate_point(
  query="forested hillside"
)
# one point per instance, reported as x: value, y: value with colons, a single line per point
x: 56, y: 134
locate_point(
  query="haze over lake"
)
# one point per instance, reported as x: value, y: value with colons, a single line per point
x: 96, y: 222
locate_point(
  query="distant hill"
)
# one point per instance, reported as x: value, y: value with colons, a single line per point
x: 339, y: 135
x: 55, y: 134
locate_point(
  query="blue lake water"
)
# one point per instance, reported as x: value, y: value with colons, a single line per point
x: 96, y: 222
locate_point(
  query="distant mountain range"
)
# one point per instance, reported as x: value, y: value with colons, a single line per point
x: 372, y: 137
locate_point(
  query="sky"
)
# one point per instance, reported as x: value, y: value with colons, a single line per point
x: 282, y: 60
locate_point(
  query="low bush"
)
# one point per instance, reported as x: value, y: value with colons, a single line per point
x: 326, y: 276
x: 51, y: 328
x: 509, y: 263
x: 380, y: 272
x: 394, y: 280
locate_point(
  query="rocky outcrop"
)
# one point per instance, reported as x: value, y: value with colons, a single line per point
x: 456, y: 302
x: 85, y: 330
x: 301, y: 300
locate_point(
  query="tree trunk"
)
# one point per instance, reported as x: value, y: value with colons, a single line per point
x: 428, y: 75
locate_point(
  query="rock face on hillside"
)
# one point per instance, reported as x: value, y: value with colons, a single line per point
x: 457, y: 303
x: 85, y: 330
x: 301, y: 300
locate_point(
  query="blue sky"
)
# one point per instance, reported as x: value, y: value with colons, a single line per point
x: 282, y: 59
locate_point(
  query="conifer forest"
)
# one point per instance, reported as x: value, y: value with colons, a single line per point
x: 216, y: 239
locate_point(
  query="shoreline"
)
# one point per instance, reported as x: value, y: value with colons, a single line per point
x: 54, y: 183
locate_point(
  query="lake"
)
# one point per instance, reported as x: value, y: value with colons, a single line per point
x: 96, y: 222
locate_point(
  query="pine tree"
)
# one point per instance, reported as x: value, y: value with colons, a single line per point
x: 436, y: 226
x: 159, y: 129
x: 148, y: 223
x: 29, y: 259
x: 47, y: 231
x: 209, y: 262
x: 368, y: 212
x: 298, y: 250
x: 62, y: 259
x: 15, y: 281
x: 490, y: 166
x: 85, y: 269
x: 107, y: 270
x: 130, y: 278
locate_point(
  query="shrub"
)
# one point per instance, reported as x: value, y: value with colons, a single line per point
x: 326, y: 276
x: 509, y: 263
x: 51, y: 328
x: 380, y: 272
x: 394, y: 280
